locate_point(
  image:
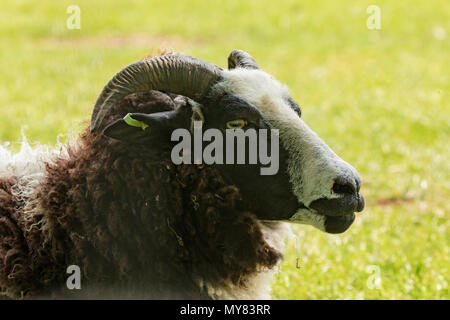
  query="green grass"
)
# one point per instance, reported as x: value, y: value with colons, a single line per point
x: 379, y: 98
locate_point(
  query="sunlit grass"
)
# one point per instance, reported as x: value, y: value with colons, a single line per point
x: 379, y: 98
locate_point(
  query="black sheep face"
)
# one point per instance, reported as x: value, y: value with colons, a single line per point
x: 312, y: 184
x: 268, y: 195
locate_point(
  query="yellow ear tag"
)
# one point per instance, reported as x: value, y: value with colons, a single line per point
x: 134, y: 123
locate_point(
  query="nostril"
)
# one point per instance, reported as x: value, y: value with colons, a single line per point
x: 344, y: 187
x: 340, y: 188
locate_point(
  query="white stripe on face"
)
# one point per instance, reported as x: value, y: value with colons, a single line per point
x: 312, y: 165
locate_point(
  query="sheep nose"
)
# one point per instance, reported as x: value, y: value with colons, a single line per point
x: 344, y: 185
x: 349, y: 187
x: 349, y: 199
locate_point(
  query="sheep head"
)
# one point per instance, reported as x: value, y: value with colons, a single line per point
x: 312, y: 185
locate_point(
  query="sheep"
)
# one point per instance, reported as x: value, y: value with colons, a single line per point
x: 139, y: 226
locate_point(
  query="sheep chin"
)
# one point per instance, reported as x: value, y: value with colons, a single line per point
x: 305, y: 216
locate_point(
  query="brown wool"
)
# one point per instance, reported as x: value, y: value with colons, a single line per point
x: 137, y: 225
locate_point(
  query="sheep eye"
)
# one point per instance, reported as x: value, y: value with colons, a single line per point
x: 236, y: 124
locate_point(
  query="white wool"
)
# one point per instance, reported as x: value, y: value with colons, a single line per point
x: 27, y: 167
x: 29, y: 161
x: 259, y: 284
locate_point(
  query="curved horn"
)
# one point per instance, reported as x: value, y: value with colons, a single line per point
x: 178, y: 74
x: 241, y: 59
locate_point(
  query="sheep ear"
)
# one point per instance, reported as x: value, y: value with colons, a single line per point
x: 120, y: 130
x: 139, y: 127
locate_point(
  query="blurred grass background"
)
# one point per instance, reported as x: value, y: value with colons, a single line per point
x: 379, y: 98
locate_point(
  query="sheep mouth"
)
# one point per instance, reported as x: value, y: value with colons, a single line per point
x: 339, y: 212
x: 339, y: 206
x: 339, y: 224
x: 334, y: 215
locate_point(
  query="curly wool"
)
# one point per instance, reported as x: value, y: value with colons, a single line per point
x: 137, y: 225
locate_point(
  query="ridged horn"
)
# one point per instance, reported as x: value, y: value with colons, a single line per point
x: 241, y: 59
x: 172, y: 73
